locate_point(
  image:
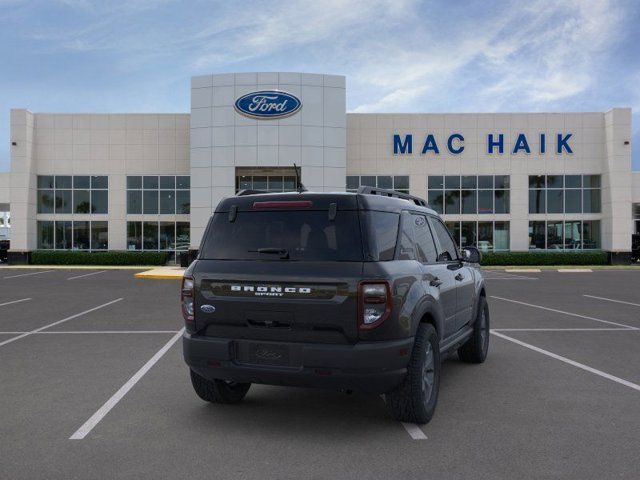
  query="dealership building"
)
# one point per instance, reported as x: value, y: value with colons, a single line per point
x: 503, y: 181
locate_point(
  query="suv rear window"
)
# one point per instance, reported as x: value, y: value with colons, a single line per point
x: 304, y: 235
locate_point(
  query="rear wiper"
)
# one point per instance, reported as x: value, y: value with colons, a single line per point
x: 283, y: 252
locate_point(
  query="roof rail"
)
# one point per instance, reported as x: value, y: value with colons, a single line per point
x: 392, y: 193
x: 249, y: 191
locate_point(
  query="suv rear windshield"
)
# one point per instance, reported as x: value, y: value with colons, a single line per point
x: 273, y: 235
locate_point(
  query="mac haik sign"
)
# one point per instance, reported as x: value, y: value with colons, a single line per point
x: 495, y: 144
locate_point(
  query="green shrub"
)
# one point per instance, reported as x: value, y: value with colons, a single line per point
x: 545, y: 258
x: 65, y: 257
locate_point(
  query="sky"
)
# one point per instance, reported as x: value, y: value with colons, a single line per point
x: 398, y: 55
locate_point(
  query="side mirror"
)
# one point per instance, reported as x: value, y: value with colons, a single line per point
x: 471, y: 255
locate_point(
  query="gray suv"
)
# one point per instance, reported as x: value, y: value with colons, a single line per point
x: 358, y: 291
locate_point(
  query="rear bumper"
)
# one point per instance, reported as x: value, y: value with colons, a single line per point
x: 374, y: 367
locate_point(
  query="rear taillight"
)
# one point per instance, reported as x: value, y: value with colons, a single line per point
x: 374, y: 303
x: 186, y: 298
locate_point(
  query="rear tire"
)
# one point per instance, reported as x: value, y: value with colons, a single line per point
x: 218, y: 391
x: 415, y: 400
x: 477, y: 347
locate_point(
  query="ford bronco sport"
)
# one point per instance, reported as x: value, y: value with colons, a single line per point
x: 352, y: 291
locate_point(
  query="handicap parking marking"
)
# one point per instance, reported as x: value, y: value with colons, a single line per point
x: 37, y: 330
x: 15, y: 301
x: 28, y: 274
x: 629, y: 327
x: 612, y: 300
x: 86, y: 275
x: 90, y: 424
x: 579, y: 365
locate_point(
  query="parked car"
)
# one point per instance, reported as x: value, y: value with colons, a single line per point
x: 4, y: 249
x: 352, y: 291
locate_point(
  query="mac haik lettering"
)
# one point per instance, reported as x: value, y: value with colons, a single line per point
x: 495, y: 143
x: 268, y: 104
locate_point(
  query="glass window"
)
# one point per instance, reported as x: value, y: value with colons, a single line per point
x: 469, y: 201
x: 183, y: 182
x: 81, y: 201
x: 470, y: 182
x: 573, y: 201
x: 182, y: 236
x: 537, y: 235
x: 452, y: 201
x: 485, y: 181
x: 134, y: 235
x: 591, y: 234
x: 63, y: 200
x: 100, y: 182
x: 591, y: 181
x: 452, y: 182
x: 45, y: 235
x: 134, y: 201
x: 468, y: 234
x: 424, y: 240
x: 537, y: 181
x: 244, y: 182
x: 501, y: 201
x: 537, y: 201
x: 64, y: 235
x: 99, y: 201
x: 555, y: 201
x: 183, y: 203
x: 167, y: 182
x: 81, y: 182
x: 485, y: 201
x: 383, y: 234
x: 502, y: 182
x: 289, y: 183
x: 408, y: 246
x: 573, y: 181
x: 501, y: 236
x: 63, y: 181
x: 150, y: 182
x: 81, y: 232
x: 454, y: 229
x: 150, y: 202
x: 572, y: 235
x: 150, y: 235
x: 368, y: 181
x: 167, y: 202
x: 45, y: 201
x: 167, y: 236
x: 99, y: 236
x: 435, y: 200
x: 260, y: 183
x: 591, y: 200
x: 134, y: 182
x: 401, y: 183
x: 45, y: 181
x: 435, y: 182
x: 275, y: 184
x: 447, y: 249
x: 555, y: 236
x: 353, y: 182
x: 555, y: 181
x: 385, y: 181
x: 485, y: 236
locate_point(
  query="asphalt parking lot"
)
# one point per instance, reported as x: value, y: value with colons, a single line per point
x: 92, y: 385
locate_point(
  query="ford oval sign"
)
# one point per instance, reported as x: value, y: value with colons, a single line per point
x: 208, y: 308
x: 268, y: 104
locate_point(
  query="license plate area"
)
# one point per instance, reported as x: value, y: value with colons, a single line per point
x: 270, y: 354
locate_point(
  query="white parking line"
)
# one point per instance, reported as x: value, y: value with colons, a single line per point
x: 508, y: 278
x: 86, y: 428
x: 84, y: 332
x: 14, y: 301
x: 414, y: 431
x: 27, y: 274
x: 86, y: 275
x: 563, y: 312
x: 37, y: 330
x: 603, y: 329
x: 612, y: 300
x: 582, y: 366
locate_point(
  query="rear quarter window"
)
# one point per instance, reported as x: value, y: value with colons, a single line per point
x: 382, y: 234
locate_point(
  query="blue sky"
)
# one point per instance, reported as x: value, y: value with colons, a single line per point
x: 398, y: 55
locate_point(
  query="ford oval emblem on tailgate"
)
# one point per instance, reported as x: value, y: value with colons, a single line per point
x: 208, y: 308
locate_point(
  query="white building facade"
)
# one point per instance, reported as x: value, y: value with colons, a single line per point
x: 518, y: 182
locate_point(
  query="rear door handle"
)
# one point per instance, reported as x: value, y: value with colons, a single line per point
x: 436, y: 282
x: 459, y: 277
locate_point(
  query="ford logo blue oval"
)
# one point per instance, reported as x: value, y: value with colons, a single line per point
x: 208, y: 308
x: 268, y: 104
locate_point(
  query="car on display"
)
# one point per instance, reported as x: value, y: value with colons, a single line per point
x: 361, y: 291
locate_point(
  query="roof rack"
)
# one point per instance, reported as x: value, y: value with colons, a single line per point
x: 392, y: 193
x: 249, y: 191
